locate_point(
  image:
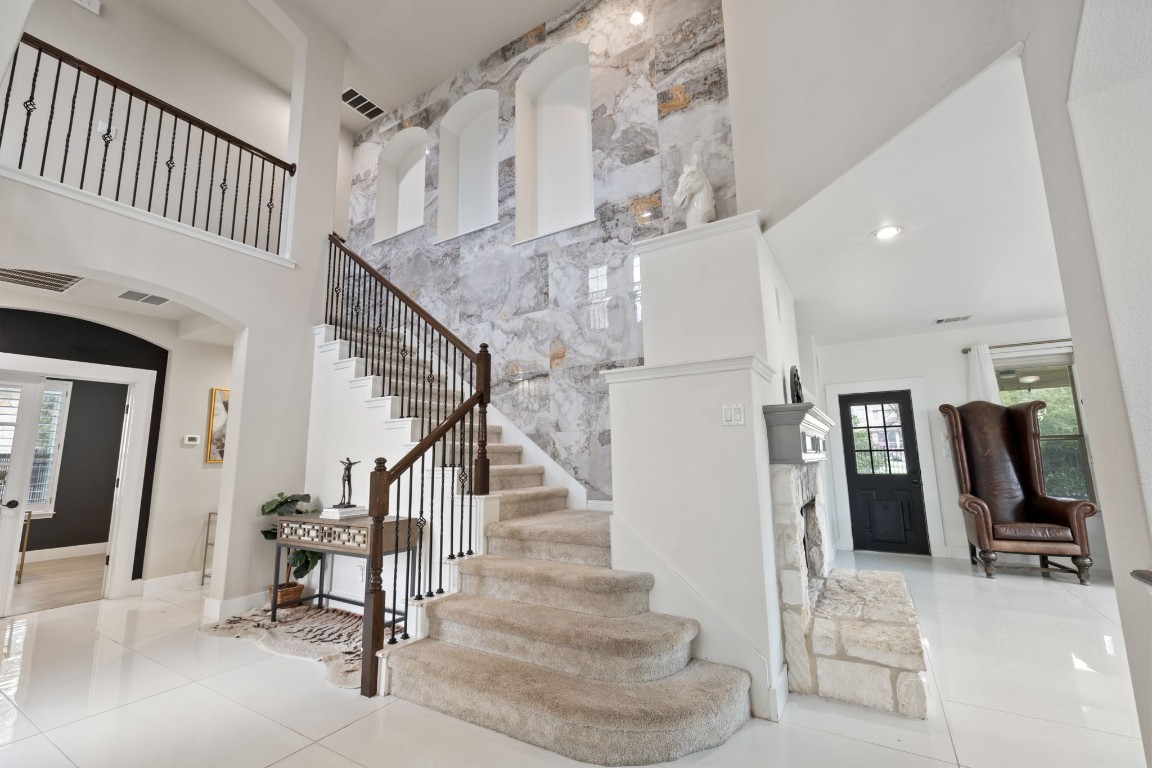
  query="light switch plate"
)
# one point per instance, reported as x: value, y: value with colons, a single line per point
x: 732, y: 415
x: 191, y: 440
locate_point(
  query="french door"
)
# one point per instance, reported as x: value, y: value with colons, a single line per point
x: 20, y: 401
x: 882, y: 466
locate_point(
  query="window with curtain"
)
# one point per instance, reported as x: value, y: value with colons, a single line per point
x: 1050, y: 378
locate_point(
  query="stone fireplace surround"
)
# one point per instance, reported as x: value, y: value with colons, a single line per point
x: 849, y: 635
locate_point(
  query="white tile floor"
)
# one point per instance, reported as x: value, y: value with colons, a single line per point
x: 1023, y: 671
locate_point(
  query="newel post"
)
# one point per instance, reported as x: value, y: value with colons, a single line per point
x: 484, y: 387
x: 373, y: 638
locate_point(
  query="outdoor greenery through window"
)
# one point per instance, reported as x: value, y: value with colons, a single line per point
x: 878, y: 439
x: 1062, y: 446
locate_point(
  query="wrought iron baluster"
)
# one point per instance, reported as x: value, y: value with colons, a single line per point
x: 328, y: 292
x: 88, y: 136
x: 71, y: 120
x: 123, y: 149
x: 211, y: 183
x: 259, y: 196
x: 248, y: 198
x: 156, y: 158
x: 236, y: 192
x: 196, y: 186
x: 169, y: 164
x: 271, y: 205
x: 107, y: 138
x: 8, y: 91
x: 396, y: 569
x: 51, y: 117
x: 408, y: 552
x: 29, y: 107
x: 223, y: 188
x: 280, y: 222
x: 462, y: 479
x: 184, y: 170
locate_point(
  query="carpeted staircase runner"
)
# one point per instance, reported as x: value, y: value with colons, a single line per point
x: 548, y: 644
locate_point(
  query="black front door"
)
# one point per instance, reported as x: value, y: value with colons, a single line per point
x: 883, y: 468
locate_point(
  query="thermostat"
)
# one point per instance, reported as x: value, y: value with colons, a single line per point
x: 191, y: 440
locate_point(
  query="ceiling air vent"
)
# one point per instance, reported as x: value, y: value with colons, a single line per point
x: 48, y: 281
x: 143, y: 298
x: 945, y: 320
x: 361, y: 103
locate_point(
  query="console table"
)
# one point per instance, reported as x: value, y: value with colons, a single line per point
x: 339, y: 537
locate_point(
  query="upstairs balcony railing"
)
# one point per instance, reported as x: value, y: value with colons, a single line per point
x: 65, y: 120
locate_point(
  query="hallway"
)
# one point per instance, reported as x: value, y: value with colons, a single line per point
x: 1023, y: 671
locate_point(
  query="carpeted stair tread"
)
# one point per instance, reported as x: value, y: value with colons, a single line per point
x: 518, y: 495
x: 566, y: 526
x: 547, y: 573
x: 518, y: 469
x: 588, y: 720
x: 641, y: 635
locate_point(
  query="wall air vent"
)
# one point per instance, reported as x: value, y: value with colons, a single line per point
x: 143, y: 298
x: 361, y: 103
x: 48, y: 281
x: 945, y: 320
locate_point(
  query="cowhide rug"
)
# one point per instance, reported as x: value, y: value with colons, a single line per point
x: 327, y: 635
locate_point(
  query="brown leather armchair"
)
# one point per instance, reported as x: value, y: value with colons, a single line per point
x: 999, y: 470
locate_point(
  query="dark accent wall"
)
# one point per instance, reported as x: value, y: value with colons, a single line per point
x: 87, y: 485
x: 40, y: 334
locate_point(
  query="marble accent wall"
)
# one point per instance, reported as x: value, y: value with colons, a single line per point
x: 559, y: 309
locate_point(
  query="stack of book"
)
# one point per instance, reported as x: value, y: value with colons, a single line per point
x: 343, y: 513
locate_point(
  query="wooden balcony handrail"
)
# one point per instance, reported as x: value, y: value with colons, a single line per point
x: 148, y: 98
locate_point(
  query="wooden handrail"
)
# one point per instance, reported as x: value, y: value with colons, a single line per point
x: 103, y: 76
x: 424, y: 315
x: 422, y: 447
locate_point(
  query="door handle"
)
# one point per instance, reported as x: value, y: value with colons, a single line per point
x: 12, y: 504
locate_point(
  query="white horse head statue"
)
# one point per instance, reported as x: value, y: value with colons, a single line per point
x: 694, y: 195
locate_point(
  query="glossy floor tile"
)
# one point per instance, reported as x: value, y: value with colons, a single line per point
x: 190, y: 726
x: 1022, y: 671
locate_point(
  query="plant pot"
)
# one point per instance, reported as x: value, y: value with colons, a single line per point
x: 287, y: 593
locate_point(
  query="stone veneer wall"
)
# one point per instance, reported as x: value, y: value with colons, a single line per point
x: 852, y: 636
x: 659, y: 96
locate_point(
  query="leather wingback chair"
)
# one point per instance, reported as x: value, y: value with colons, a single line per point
x: 1001, y: 478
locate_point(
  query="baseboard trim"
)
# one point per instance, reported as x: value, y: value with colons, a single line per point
x: 600, y: 505
x: 62, y: 553
x: 779, y: 693
x: 175, y: 581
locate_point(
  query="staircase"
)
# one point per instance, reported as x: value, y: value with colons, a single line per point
x: 545, y: 641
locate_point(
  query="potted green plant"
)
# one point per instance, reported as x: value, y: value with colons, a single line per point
x: 300, y: 562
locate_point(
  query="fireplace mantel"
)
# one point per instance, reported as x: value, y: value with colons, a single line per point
x: 797, y: 433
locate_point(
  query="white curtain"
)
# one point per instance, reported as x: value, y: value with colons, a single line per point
x: 981, y: 375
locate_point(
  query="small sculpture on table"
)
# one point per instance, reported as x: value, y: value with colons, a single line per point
x: 346, y: 484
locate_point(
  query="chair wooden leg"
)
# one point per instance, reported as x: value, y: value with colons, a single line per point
x: 1083, y: 563
x: 972, y: 553
x: 988, y: 557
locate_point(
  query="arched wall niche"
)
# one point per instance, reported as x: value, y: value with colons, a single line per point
x: 554, y: 143
x: 400, y: 183
x: 468, y: 167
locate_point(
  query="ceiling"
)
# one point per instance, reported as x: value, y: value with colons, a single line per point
x: 397, y: 49
x: 964, y: 182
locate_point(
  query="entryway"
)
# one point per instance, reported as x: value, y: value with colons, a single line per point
x: 882, y: 468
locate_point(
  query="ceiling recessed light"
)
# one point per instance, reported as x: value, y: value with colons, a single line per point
x: 887, y: 232
x: 1029, y: 379
x: 636, y: 18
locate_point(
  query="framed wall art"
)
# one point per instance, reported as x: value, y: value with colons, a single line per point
x: 217, y: 425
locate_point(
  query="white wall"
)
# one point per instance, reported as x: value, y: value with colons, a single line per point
x: 935, y: 359
x: 132, y: 43
x: 185, y: 488
x: 1110, y: 107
